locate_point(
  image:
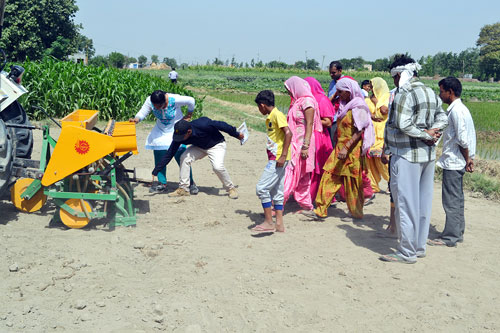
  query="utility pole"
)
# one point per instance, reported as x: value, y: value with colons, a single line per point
x: 322, y: 62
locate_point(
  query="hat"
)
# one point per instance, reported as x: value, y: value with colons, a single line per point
x: 180, y: 129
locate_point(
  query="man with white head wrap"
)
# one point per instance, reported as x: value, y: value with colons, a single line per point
x: 415, y: 122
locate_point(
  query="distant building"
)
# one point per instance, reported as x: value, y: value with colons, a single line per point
x: 79, y: 58
x: 368, y: 67
x: 133, y: 65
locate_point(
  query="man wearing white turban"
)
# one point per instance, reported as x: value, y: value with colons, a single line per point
x: 415, y: 122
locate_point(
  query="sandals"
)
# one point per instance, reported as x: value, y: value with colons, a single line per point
x: 394, y: 257
x: 439, y: 242
x: 260, y: 229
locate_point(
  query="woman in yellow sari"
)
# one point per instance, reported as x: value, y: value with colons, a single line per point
x: 378, y: 104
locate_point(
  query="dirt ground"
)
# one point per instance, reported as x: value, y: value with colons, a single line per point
x: 192, y: 265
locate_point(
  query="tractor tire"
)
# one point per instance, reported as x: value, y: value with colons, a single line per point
x: 7, y: 146
x: 15, y: 114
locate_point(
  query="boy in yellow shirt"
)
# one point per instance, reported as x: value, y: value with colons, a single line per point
x: 270, y: 187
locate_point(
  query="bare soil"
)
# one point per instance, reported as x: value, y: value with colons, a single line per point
x: 192, y: 265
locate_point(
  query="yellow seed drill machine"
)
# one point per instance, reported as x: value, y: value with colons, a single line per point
x: 83, y: 172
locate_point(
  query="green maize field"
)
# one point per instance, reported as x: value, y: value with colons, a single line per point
x: 61, y: 87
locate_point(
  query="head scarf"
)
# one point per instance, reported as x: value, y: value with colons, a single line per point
x: 360, y: 111
x: 301, y: 90
x: 326, y: 108
x: 381, y: 91
x: 406, y: 73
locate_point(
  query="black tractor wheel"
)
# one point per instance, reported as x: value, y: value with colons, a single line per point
x: 15, y: 114
x: 7, y: 146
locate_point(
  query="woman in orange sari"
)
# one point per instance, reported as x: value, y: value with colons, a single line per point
x: 355, y: 136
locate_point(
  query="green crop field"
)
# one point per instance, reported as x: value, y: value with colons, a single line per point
x: 253, y: 80
x: 61, y: 87
x: 241, y: 86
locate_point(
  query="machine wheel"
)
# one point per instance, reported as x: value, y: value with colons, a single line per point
x: 6, y: 156
x: 15, y: 114
x: 73, y: 221
x: 31, y: 205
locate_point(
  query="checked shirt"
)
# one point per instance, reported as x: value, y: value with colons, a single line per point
x: 414, y: 110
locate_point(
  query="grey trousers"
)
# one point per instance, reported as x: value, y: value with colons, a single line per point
x: 412, y: 186
x: 271, y: 186
x: 453, y: 204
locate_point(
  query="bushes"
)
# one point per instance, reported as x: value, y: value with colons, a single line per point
x: 61, y: 87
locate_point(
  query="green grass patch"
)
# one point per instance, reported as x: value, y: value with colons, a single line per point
x: 233, y: 115
x: 477, y: 182
x: 281, y: 101
x: 486, y: 115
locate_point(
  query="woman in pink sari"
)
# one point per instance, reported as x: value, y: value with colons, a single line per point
x: 303, y: 121
x: 322, y: 139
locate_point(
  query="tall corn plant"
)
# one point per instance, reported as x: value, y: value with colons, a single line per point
x: 61, y: 87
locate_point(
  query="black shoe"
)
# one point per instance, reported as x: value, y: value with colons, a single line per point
x: 193, y: 189
x: 160, y: 188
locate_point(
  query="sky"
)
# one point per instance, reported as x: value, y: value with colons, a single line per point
x: 196, y: 31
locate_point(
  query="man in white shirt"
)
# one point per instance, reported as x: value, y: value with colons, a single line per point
x: 459, y: 149
x: 173, y: 76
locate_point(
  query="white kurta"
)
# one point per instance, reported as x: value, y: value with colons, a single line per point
x: 160, y: 137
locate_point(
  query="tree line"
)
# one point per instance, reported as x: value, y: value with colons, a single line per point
x: 34, y: 29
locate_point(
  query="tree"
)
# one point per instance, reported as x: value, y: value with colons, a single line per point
x: 252, y: 63
x: 99, y: 61
x: 116, y: 59
x: 130, y: 60
x: 154, y: 58
x: 470, y: 62
x: 300, y: 64
x: 312, y: 64
x: 489, y: 50
x: 59, y: 48
x: 218, y: 62
x: 277, y: 64
x: 381, y: 64
x: 142, y: 61
x: 32, y: 26
x: 85, y: 45
x: 170, y: 62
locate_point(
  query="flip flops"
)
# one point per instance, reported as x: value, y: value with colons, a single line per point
x: 439, y: 242
x: 260, y: 229
x: 394, y: 257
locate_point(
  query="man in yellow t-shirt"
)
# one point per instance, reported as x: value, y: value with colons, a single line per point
x: 270, y: 187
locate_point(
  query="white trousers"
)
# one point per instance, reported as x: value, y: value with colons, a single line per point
x: 215, y: 155
x: 412, y: 186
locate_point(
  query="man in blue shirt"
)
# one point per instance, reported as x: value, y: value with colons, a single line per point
x: 205, y: 139
x: 335, y: 74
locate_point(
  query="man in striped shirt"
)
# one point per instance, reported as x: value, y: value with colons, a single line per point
x: 415, y: 123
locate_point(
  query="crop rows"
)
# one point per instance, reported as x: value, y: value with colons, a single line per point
x: 253, y: 80
x: 61, y: 87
